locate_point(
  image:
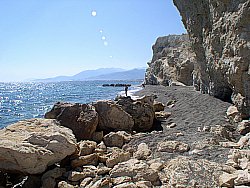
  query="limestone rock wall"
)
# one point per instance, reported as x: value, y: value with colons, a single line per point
x: 219, y: 31
x: 173, y: 60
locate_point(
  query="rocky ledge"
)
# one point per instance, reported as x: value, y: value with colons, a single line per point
x: 173, y: 61
x: 219, y: 34
x: 169, y: 137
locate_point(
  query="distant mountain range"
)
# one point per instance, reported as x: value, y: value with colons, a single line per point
x: 100, y: 74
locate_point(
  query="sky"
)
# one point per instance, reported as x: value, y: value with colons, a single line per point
x: 41, y: 39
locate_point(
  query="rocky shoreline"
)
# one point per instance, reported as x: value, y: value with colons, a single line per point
x: 168, y: 137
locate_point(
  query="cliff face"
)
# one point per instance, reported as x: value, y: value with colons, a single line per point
x: 219, y: 31
x: 172, y: 60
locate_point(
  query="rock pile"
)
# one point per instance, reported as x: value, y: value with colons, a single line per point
x: 238, y: 158
x: 45, y: 152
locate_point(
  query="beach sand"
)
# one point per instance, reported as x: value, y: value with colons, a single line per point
x: 191, y: 112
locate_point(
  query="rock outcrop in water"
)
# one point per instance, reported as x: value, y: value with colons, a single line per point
x: 219, y: 33
x: 173, y: 60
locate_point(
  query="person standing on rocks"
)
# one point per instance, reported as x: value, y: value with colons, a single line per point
x: 126, y: 90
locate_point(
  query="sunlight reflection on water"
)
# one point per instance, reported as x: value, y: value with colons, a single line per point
x: 28, y: 100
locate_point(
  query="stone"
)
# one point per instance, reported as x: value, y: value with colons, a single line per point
x: 91, y: 159
x: 85, y: 173
x: 138, y: 170
x: 229, y: 144
x: 219, y: 34
x: 86, y: 147
x: 49, y: 178
x: 244, y: 127
x: 97, y: 136
x: 242, y: 177
x: 121, y: 180
x: 144, y: 184
x: 126, y: 185
x: 173, y: 61
x: 185, y: 172
x: 112, y: 117
x: 221, y: 132
x: 158, y: 106
x: 143, y: 152
x: 116, y: 139
x: 172, y: 146
x: 101, y: 148
x: 244, y: 141
x: 76, y: 176
x: 116, y: 157
x: 64, y: 184
x: 82, y: 119
x: 102, y: 183
x: 161, y: 116
x: 239, y: 159
x: 227, y: 180
x: 158, y: 166
x: 171, y: 125
x: 103, y: 170
x: 179, y: 134
x: 30, y: 146
x: 141, y: 110
x: 86, y: 182
x: 195, y: 152
x: 148, y: 99
x: 233, y: 114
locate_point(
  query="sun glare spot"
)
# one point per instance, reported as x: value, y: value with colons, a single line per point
x: 103, y: 38
x: 101, y: 31
x: 105, y: 43
x: 93, y: 13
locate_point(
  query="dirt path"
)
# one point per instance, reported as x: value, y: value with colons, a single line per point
x: 191, y: 112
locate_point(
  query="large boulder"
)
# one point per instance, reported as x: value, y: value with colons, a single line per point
x: 112, y: 117
x: 116, y: 139
x: 142, y: 111
x: 82, y: 119
x: 138, y: 170
x: 184, y: 172
x: 219, y: 33
x: 30, y: 146
x: 172, y: 146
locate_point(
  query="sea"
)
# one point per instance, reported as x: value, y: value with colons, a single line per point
x: 25, y: 100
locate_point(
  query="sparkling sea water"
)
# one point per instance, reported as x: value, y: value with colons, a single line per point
x: 20, y: 101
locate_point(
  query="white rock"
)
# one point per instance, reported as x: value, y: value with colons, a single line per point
x: 30, y: 146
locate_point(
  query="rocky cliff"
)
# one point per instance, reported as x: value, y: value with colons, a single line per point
x: 219, y: 31
x: 173, y: 60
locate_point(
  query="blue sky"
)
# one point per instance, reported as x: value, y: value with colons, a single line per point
x: 47, y: 38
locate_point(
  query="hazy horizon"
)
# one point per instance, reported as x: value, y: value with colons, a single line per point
x: 53, y: 38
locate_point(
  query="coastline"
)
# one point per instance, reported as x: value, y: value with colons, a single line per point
x: 117, y: 136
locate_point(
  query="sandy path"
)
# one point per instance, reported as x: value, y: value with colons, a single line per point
x: 191, y: 111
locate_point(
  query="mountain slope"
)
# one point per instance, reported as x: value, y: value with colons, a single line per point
x: 134, y: 74
x: 100, y: 74
x: 82, y: 75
